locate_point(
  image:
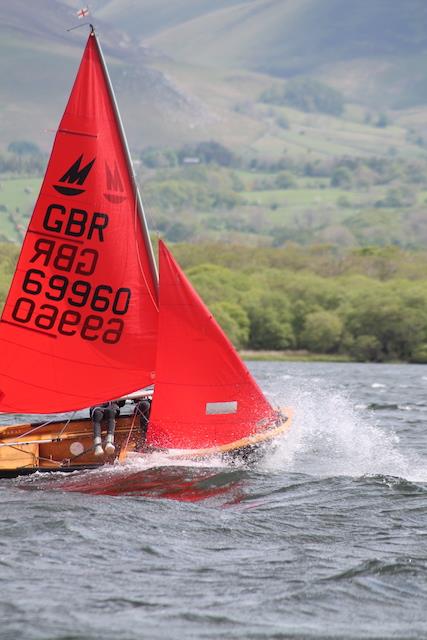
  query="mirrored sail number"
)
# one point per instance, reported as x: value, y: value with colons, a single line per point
x: 80, y: 294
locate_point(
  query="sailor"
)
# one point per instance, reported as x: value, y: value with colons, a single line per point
x: 109, y: 411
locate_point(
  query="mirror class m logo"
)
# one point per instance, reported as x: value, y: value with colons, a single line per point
x: 115, y: 192
x: 76, y: 174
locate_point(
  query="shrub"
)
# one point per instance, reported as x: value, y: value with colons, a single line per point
x: 285, y: 180
x: 322, y: 331
x: 306, y: 94
x: 233, y: 320
x: 366, y: 348
x: 23, y: 148
x: 419, y: 355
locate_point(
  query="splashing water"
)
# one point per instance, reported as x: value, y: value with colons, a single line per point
x: 330, y: 437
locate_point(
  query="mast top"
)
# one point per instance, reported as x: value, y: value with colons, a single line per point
x: 79, y: 26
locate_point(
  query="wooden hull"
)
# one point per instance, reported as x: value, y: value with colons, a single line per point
x: 58, y: 446
x: 68, y: 445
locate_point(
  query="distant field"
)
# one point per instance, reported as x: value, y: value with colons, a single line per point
x: 319, y: 135
x: 18, y: 196
x: 297, y: 197
x: 19, y: 192
x: 234, y: 115
x: 312, y: 211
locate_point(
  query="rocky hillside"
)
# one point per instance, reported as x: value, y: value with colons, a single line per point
x: 193, y: 70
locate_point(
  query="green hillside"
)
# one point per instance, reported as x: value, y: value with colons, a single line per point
x: 235, y: 72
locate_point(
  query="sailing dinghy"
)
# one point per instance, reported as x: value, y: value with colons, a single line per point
x: 88, y: 323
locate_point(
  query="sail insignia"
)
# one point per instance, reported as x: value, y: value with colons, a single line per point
x: 115, y: 191
x: 75, y: 174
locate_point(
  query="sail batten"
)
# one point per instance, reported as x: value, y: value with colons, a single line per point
x: 79, y: 325
x: 78, y: 133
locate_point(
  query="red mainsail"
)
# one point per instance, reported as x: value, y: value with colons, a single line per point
x: 204, y: 395
x: 80, y: 322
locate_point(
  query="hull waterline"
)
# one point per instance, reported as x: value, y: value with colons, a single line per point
x: 68, y: 446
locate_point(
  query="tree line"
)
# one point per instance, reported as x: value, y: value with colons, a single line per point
x: 358, y: 316
x: 370, y: 305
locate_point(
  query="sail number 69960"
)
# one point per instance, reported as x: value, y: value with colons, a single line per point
x: 79, y: 293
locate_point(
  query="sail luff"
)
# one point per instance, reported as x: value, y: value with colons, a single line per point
x: 139, y: 204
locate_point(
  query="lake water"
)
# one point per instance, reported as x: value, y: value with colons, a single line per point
x: 326, y: 537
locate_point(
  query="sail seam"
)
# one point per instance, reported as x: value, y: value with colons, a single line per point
x: 21, y: 326
x: 55, y: 237
x: 78, y: 133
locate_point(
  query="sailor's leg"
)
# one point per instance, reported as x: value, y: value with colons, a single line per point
x: 110, y: 414
x: 97, y: 415
x: 143, y: 410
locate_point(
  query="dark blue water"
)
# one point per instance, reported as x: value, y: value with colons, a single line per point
x: 326, y: 537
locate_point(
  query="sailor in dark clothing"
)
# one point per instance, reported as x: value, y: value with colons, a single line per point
x: 109, y: 412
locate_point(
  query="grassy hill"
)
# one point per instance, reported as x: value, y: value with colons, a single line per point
x: 197, y: 70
